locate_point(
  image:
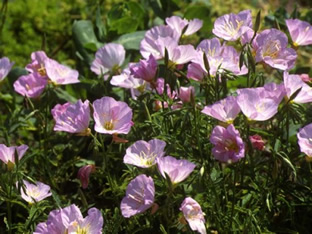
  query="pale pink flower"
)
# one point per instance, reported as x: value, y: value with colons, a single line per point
x: 193, y: 214
x: 70, y: 220
x: 112, y: 116
x: 300, y: 32
x: 231, y: 26
x: 224, y: 110
x: 150, y: 45
x: 145, y: 69
x: 228, y: 144
x: 272, y: 49
x: 177, y: 24
x: 139, y: 196
x: 35, y: 192
x: 72, y: 118
x: 5, y: 67
x: 37, y: 64
x: 31, y: 85
x: 305, y: 139
x: 109, y: 58
x: 176, y: 169
x: 7, y: 154
x: 257, y: 104
x: 127, y: 81
x: 144, y: 154
x: 60, y: 74
x: 292, y: 84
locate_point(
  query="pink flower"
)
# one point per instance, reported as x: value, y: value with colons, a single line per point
x: 257, y: 142
x: 230, y: 27
x: 35, y: 192
x: 139, y: 196
x: 193, y: 214
x: 220, y: 58
x: 177, y: 54
x: 272, y: 49
x: 177, y: 24
x: 186, y: 94
x: 300, y: 32
x: 149, y: 43
x: 73, y: 118
x: 306, y: 78
x: 127, y: 81
x: 60, y: 74
x: 31, y: 85
x: 224, y: 110
x: 228, y: 145
x: 84, y: 174
x: 176, y: 169
x: 70, y: 220
x: 145, y: 69
x: 305, y: 139
x: 112, y: 116
x: 145, y: 154
x: 257, y: 104
x: 37, y: 64
x: 5, y: 67
x: 109, y: 58
x: 292, y: 84
x: 7, y: 154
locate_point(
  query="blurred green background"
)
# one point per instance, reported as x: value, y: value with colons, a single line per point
x: 30, y: 25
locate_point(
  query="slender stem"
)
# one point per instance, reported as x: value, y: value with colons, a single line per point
x: 233, y: 198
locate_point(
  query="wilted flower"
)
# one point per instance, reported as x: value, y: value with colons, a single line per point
x: 177, y: 24
x: 257, y: 103
x: 70, y: 220
x: 231, y: 26
x: 7, y: 154
x: 73, y: 118
x: 300, y: 32
x: 176, y: 169
x: 60, y: 74
x: 5, y: 67
x: 228, y: 145
x: 31, y: 85
x: 272, y: 49
x: 84, y: 174
x: 139, y: 196
x: 37, y: 64
x: 145, y: 154
x: 257, y: 142
x: 108, y: 58
x: 145, y: 69
x: 292, y: 84
x: 224, y: 110
x: 35, y: 192
x: 150, y: 43
x: 112, y: 116
x: 186, y: 94
x: 193, y: 214
x: 305, y: 139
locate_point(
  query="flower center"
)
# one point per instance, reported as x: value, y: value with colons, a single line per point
x: 272, y: 49
x: 147, y: 160
x: 42, y: 71
x: 109, y: 125
x: 231, y: 146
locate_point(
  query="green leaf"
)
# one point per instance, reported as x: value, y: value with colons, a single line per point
x: 126, y: 24
x: 131, y: 41
x: 288, y: 162
x: 83, y: 34
x: 100, y: 26
x: 200, y: 12
x: 62, y: 94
